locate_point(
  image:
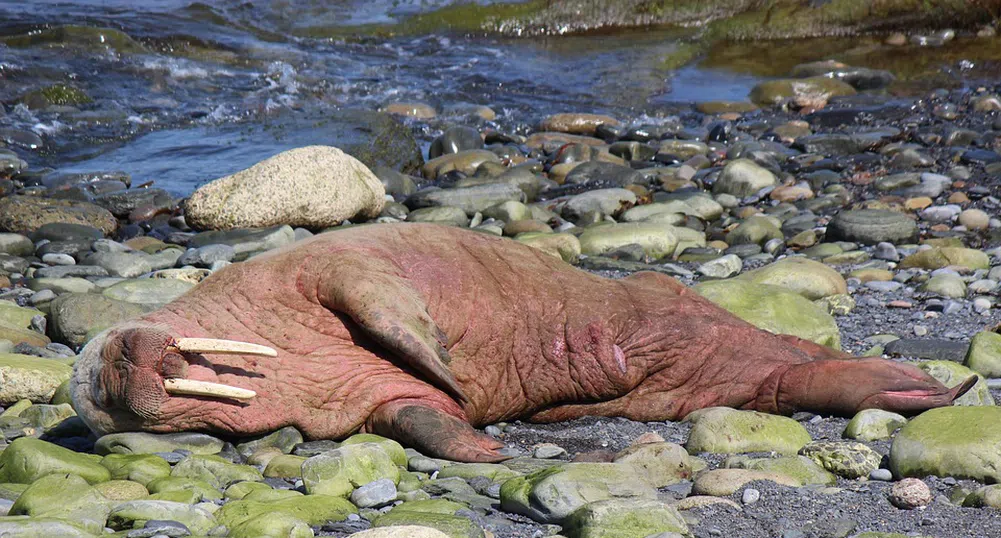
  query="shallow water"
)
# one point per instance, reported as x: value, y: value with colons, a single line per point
x: 184, y: 92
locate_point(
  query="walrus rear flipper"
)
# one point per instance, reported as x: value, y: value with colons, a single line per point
x: 392, y: 313
x: 433, y: 432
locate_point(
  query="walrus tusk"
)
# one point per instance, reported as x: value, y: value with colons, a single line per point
x: 190, y: 387
x: 232, y: 347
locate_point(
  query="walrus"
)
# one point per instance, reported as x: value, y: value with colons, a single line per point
x: 421, y: 332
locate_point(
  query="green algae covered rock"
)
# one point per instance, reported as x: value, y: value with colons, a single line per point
x: 873, y: 424
x: 31, y: 378
x: 66, y: 497
x: 618, y: 518
x: 550, y: 495
x: 148, y: 443
x: 394, y: 449
x: 202, y: 490
x: 135, y: 514
x: 961, y: 442
x: 215, y: 470
x: 657, y: 240
x: 984, y: 356
x: 723, y: 430
x: 279, y: 525
x: 807, y: 277
x: 28, y: 459
x: 939, y: 257
x: 661, y: 464
x: 338, y: 472
x: 20, y: 527
x: 774, y: 309
x: 802, y: 469
x: 142, y: 468
x: 451, y: 526
x: 313, y: 509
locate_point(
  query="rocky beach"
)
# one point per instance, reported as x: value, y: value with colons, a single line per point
x: 828, y: 173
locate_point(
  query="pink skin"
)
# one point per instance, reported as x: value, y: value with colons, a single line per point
x: 419, y: 332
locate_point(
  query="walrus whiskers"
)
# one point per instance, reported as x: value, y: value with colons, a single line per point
x: 190, y: 387
x: 232, y: 347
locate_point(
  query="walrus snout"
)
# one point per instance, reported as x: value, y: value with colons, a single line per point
x: 125, y: 374
x: 847, y: 386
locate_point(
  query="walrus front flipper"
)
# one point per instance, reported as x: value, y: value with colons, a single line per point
x: 392, y: 313
x: 433, y: 432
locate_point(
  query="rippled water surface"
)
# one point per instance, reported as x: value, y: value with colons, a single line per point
x: 184, y: 92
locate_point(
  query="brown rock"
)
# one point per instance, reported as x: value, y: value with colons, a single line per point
x: 791, y: 193
x: 916, y: 204
x: 959, y: 198
x: 551, y: 140
x: 974, y: 219
x: 25, y: 214
x: 583, y: 124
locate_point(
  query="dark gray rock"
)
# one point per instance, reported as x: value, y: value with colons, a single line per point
x: 871, y: 226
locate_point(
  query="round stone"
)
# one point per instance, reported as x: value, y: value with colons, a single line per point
x: 910, y: 493
x: 871, y: 226
x: 974, y: 219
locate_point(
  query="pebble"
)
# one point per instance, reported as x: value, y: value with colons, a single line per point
x: 750, y: 496
x: 376, y: 493
x: 882, y: 475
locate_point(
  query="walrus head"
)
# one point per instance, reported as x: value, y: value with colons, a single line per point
x: 846, y: 386
x: 125, y: 374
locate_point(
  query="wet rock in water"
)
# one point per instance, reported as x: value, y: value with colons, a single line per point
x: 951, y: 374
x: 121, y: 204
x: 551, y: 495
x: 464, y: 161
x: 960, y: 442
x: 773, y: 309
x: 469, y: 199
x: 25, y: 214
x: 397, y: 184
x: 860, y: 78
x: 454, y: 140
x: 616, y: 517
x: 845, y: 459
x: 873, y: 425
x: 576, y: 123
x: 774, y: 92
x: 313, y: 186
x: 871, y: 226
x: 338, y: 472
x: 26, y: 460
x: 799, y: 468
x: 743, y: 177
x: 806, y: 277
x: 410, y: 109
x: 910, y: 493
x: 939, y: 257
x: 723, y: 430
x: 149, y: 443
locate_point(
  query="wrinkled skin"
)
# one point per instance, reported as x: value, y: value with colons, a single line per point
x: 420, y: 332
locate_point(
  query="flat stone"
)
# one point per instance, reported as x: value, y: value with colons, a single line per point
x: 871, y: 226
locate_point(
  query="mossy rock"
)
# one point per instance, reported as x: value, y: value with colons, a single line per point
x: 279, y: 525
x: 951, y: 374
x: 338, y: 472
x: 203, y: 490
x: 961, y: 442
x: 939, y: 257
x: 32, y: 378
x: 722, y: 430
x: 64, y: 496
x: 85, y: 37
x: 801, y: 275
x: 215, y: 470
x: 657, y: 240
x: 28, y: 459
x: 313, y: 509
x: 135, y: 514
x: 873, y: 425
x: 394, y: 449
x: 453, y: 526
x: 774, y: 309
x: 984, y: 355
x: 616, y: 518
x: 800, y: 468
x: 141, y: 468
